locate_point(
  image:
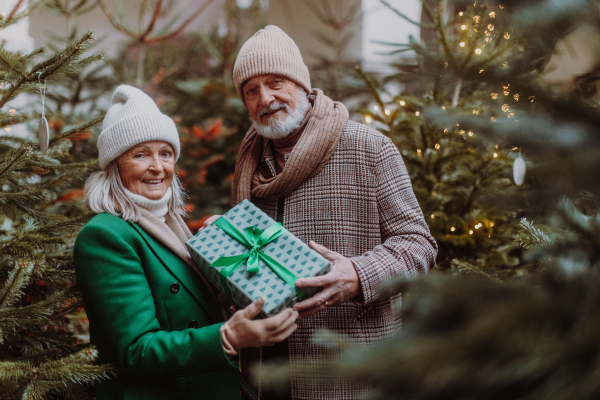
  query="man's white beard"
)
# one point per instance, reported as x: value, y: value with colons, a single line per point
x: 276, y: 129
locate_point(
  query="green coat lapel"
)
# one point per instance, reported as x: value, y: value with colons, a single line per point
x: 186, y: 276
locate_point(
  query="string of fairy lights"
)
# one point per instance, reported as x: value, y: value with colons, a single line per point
x: 467, y: 28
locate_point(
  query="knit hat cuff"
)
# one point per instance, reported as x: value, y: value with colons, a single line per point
x: 267, y: 62
x: 138, y: 128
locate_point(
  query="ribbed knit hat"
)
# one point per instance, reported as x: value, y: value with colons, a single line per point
x: 270, y: 51
x: 133, y: 118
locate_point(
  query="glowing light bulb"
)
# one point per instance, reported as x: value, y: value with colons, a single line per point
x: 437, y: 145
x: 495, y: 155
x: 478, y: 51
x: 368, y: 119
x: 417, y: 113
x: 470, y: 232
x: 375, y: 108
x: 462, y: 44
x: 463, y: 27
x: 402, y: 102
x: 387, y: 112
x: 432, y: 216
x: 452, y: 229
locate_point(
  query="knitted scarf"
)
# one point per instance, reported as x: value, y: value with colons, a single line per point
x: 314, y: 148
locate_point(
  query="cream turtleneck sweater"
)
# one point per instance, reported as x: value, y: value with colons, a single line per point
x: 159, y: 207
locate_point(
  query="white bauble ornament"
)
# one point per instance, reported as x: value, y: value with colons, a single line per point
x: 519, y: 170
x: 43, y: 134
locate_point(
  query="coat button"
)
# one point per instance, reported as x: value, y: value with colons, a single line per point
x: 175, y: 287
x: 193, y: 324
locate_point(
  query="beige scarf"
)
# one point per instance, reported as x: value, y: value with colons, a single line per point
x: 314, y: 148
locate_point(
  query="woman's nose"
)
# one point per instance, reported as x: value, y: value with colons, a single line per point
x: 156, y: 165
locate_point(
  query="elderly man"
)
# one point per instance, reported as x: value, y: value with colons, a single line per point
x: 342, y: 187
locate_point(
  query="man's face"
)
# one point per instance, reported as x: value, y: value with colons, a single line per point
x: 261, y: 91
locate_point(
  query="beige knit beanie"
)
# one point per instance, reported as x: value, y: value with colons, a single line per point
x: 133, y: 118
x: 270, y: 51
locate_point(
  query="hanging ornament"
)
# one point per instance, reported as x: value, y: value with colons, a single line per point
x: 43, y: 129
x: 519, y: 170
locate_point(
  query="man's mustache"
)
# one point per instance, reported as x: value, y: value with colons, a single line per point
x: 274, y: 106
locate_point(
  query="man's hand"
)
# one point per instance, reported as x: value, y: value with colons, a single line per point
x: 209, y: 221
x: 339, y: 285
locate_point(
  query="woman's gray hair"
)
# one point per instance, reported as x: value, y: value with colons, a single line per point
x: 104, y: 192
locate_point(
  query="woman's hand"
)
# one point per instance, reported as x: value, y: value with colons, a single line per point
x: 209, y: 221
x: 242, y: 331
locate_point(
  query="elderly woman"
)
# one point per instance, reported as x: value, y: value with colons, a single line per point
x: 151, y: 312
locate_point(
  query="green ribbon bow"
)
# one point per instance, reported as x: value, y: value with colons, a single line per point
x: 254, y: 239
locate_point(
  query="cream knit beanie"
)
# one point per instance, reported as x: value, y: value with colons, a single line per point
x: 270, y: 51
x: 133, y: 118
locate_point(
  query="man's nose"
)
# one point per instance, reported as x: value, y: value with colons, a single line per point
x: 266, y: 97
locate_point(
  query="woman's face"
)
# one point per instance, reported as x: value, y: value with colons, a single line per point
x: 147, y: 168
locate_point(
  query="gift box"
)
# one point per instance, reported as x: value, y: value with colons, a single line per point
x: 247, y: 255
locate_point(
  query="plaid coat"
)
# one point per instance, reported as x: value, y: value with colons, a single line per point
x: 362, y: 206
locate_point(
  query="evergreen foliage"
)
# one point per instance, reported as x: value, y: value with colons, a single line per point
x: 39, y: 357
x: 455, y: 171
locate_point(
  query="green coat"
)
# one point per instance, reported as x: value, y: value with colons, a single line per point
x: 143, y: 303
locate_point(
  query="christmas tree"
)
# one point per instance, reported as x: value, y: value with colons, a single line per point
x: 455, y: 171
x: 39, y: 355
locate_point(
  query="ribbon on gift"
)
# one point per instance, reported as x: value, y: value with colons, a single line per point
x: 254, y: 239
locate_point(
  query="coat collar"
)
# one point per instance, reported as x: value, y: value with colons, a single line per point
x: 165, y: 244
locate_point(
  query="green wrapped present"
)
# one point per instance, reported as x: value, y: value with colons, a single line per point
x: 247, y: 255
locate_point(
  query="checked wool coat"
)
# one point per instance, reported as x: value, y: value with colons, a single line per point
x: 362, y: 206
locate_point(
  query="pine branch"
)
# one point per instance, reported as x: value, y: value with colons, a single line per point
x: 49, y: 67
x: 32, y: 315
x: 529, y: 236
x: 11, y: 160
x: 76, y: 130
x: 397, y: 12
x: 12, y: 289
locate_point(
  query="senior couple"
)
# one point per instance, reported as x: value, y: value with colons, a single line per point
x: 336, y: 184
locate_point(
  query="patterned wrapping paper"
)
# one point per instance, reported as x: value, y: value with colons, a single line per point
x: 244, y: 287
